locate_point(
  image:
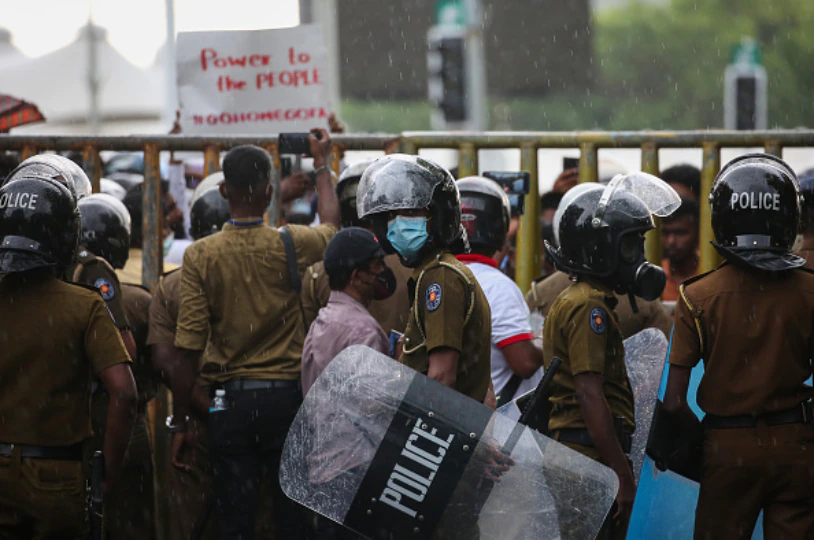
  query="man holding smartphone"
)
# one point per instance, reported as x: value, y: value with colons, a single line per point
x: 240, y: 319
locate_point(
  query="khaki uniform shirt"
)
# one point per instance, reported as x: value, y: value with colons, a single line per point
x: 391, y: 313
x: 53, y: 335
x: 754, y: 332
x: 97, y: 273
x: 137, y: 306
x: 164, y: 308
x: 583, y: 331
x: 807, y: 252
x: 450, y: 310
x: 237, y: 304
x: 545, y: 291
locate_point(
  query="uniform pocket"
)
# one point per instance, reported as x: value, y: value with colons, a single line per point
x: 53, y: 475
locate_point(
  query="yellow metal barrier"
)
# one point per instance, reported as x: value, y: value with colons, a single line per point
x: 468, y: 144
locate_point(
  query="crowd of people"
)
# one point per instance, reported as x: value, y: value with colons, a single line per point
x: 397, y: 255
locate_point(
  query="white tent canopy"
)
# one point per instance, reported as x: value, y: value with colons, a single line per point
x: 59, y: 84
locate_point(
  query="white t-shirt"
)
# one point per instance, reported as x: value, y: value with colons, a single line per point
x: 510, y: 318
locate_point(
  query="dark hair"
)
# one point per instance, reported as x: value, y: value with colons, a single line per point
x: 549, y: 200
x: 689, y: 208
x: 337, y: 281
x: 245, y: 166
x: 133, y: 202
x: 8, y: 162
x: 684, y: 174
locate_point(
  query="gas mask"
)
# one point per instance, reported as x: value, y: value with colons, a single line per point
x: 634, y: 275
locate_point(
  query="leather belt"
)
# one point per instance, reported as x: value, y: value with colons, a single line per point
x: 800, y: 414
x: 236, y: 385
x: 65, y: 453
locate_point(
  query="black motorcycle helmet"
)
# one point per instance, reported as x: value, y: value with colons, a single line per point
x: 39, y: 220
x: 105, y: 228
x: 208, y: 213
x: 405, y: 182
x: 756, y: 205
x: 346, y: 189
x: 485, y: 212
x: 599, y: 232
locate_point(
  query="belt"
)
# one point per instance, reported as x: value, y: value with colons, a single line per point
x: 583, y: 438
x: 67, y: 453
x: 236, y: 385
x: 800, y: 414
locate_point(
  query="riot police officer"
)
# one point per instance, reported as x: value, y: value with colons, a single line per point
x: 750, y: 320
x: 190, y: 480
x: 806, y: 249
x: 600, y: 235
x: 104, y: 245
x: 391, y: 313
x: 516, y: 361
x: 415, y: 211
x: 53, y: 334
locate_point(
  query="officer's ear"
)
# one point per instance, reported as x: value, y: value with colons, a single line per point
x: 269, y: 191
x: 223, y: 190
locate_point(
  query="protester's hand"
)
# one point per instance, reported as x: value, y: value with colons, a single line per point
x: 181, y: 450
x: 294, y: 187
x: 624, y: 499
x: 335, y: 125
x: 566, y: 180
x: 491, y: 399
x: 320, y: 149
x: 496, y: 463
x: 176, y: 126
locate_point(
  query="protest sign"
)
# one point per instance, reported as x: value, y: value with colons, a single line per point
x: 245, y: 82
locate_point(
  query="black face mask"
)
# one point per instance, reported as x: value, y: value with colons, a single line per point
x: 384, y: 284
x: 636, y: 276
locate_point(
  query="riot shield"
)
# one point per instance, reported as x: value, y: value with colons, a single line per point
x: 392, y: 454
x: 645, y: 354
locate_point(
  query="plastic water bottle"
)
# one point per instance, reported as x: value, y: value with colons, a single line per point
x: 219, y: 403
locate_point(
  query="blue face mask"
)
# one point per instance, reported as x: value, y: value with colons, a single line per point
x: 407, y: 235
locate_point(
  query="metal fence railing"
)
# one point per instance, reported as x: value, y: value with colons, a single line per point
x: 468, y: 144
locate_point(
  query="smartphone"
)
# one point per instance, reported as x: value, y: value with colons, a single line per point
x: 295, y: 143
x: 516, y: 184
x: 570, y: 163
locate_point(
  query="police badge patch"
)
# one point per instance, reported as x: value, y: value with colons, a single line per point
x: 106, y: 288
x: 599, y: 319
x: 433, y: 297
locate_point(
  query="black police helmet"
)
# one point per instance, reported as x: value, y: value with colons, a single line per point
x: 405, y: 182
x: 105, y: 228
x: 756, y: 204
x: 807, y: 210
x: 208, y: 213
x: 39, y: 223
x: 485, y: 212
x: 588, y: 244
x: 346, y: 189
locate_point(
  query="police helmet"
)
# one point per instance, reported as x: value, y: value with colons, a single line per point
x: 807, y: 210
x: 209, y: 211
x: 405, y: 182
x: 105, y: 228
x: 112, y: 188
x: 756, y: 204
x: 485, y: 212
x: 346, y: 189
x: 596, y: 228
x: 73, y: 175
x: 39, y: 220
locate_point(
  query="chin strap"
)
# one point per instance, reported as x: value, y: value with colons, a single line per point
x: 633, y: 305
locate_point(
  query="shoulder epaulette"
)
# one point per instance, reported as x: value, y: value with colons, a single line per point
x: 84, y: 286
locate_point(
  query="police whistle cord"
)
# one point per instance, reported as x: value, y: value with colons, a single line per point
x: 97, y: 493
x: 540, y: 393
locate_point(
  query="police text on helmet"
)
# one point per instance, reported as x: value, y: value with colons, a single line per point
x: 18, y: 200
x: 755, y: 201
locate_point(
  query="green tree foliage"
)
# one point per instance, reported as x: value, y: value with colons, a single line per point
x: 661, y: 67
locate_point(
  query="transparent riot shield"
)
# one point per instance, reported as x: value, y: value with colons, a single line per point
x: 390, y: 453
x: 645, y: 354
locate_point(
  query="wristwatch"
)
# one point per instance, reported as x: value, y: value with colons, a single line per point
x: 176, y: 426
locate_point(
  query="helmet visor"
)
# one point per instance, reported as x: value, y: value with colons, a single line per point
x: 397, y: 184
x: 658, y: 197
